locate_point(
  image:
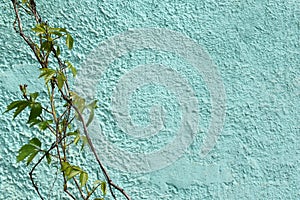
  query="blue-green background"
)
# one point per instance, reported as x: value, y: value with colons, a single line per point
x: 256, y: 46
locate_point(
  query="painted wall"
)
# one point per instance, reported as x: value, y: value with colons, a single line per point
x: 254, y: 47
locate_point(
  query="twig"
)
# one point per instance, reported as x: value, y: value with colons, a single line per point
x: 109, y: 181
x: 39, y: 161
x: 27, y: 40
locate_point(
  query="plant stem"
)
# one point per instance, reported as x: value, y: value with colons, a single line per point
x: 109, y: 181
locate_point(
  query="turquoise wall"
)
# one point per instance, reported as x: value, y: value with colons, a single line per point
x: 248, y: 49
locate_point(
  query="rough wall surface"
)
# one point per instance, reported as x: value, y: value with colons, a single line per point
x: 255, y: 46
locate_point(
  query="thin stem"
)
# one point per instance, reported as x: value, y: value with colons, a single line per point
x: 39, y: 161
x: 109, y: 181
x: 20, y: 31
x: 79, y: 188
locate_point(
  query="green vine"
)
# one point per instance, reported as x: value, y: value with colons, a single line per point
x: 53, y: 117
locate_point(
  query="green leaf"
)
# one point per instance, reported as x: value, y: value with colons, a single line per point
x: 48, y: 157
x: 58, y: 51
x: 33, y: 96
x: 91, y: 107
x: 47, y: 45
x: 25, y: 151
x: 51, y: 30
x: 76, y: 140
x: 84, y: 142
x: 43, y: 125
x: 61, y: 80
x: 68, y: 170
x: 29, y: 150
x: 18, y: 105
x: 47, y: 74
x: 99, y: 199
x: 97, y: 182
x: 103, y: 187
x: 15, y: 104
x: 36, y: 110
x: 34, y: 122
x: 20, y: 109
x: 39, y: 29
x: 63, y: 30
x: 76, y: 168
x: 69, y: 41
x: 75, y: 133
x: 73, y: 173
x: 36, y: 142
x: 72, y: 68
x: 55, y: 31
x: 31, y: 157
x: 79, y: 102
x: 83, y: 178
x: 64, y: 166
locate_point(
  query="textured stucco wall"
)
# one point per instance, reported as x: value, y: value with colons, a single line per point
x: 255, y: 45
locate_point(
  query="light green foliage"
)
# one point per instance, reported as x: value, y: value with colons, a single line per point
x: 29, y: 150
x: 52, y: 117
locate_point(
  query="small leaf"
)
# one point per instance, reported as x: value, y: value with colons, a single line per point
x: 47, y: 45
x: 34, y: 122
x: 75, y: 133
x: 63, y: 30
x: 91, y: 107
x: 36, y: 110
x: 47, y: 74
x: 51, y: 30
x: 69, y: 41
x: 83, y: 178
x: 19, y: 105
x: 14, y: 104
x: 33, y: 96
x: 64, y: 166
x: 31, y: 157
x: 55, y: 31
x: 29, y: 150
x: 84, y: 142
x: 68, y: 170
x: 25, y: 151
x: 76, y: 139
x: 103, y: 187
x: 72, y: 68
x: 39, y: 29
x: 61, y: 80
x: 48, y: 157
x: 78, y: 101
x: 58, y: 51
x: 43, y: 125
x: 35, y: 142
x: 73, y: 173
x: 97, y: 182
x: 20, y: 109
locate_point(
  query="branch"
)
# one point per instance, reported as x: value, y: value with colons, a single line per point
x: 54, y: 144
x: 27, y: 40
x: 109, y: 181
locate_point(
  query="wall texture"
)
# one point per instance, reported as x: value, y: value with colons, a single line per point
x: 255, y: 45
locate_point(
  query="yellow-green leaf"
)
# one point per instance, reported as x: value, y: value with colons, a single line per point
x: 61, y: 80
x: 83, y: 178
x: 103, y: 187
x: 69, y: 41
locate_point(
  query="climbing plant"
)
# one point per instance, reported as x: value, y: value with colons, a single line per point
x: 54, y: 116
